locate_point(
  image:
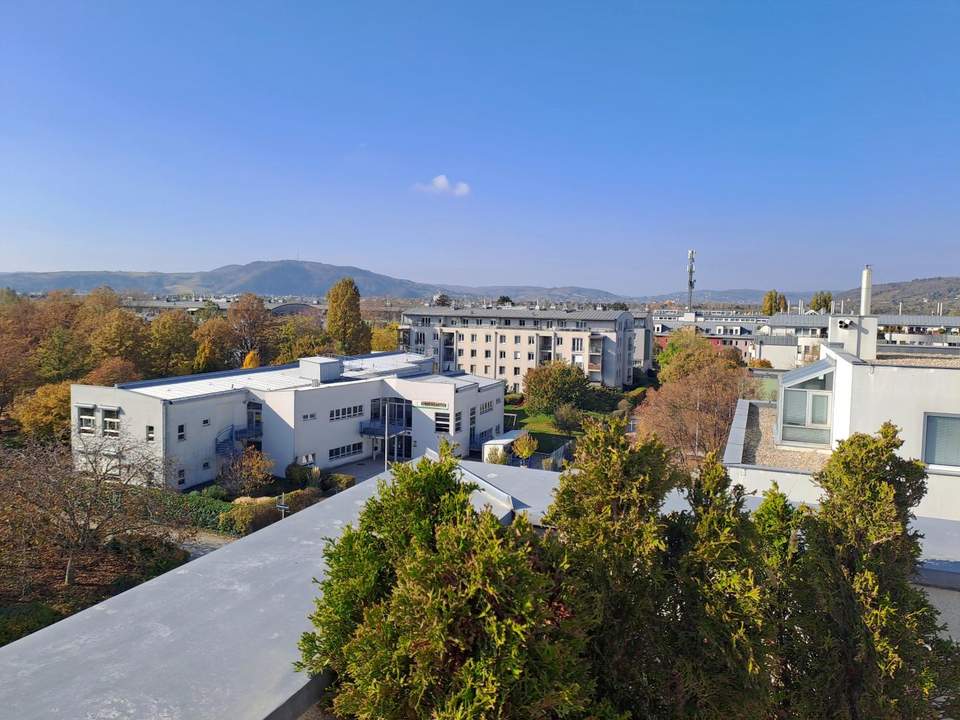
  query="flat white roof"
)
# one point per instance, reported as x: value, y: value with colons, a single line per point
x: 281, y: 377
x: 458, y: 380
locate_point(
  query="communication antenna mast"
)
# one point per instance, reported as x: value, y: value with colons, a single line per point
x: 691, y: 256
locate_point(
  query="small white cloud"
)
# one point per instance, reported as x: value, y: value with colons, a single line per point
x: 441, y: 185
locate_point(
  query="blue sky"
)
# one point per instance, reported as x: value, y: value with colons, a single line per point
x: 586, y: 144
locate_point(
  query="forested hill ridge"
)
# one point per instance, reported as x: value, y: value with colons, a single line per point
x: 278, y: 277
x: 313, y: 279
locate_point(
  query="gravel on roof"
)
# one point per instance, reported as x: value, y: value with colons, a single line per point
x: 760, y: 449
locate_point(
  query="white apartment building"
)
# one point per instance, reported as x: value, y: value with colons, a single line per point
x: 321, y: 412
x: 505, y: 342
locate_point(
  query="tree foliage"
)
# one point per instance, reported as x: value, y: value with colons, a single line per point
x: 821, y: 301
x: 430, y: 609
x: 172, y: 348
x: 567, y: 418
x: 121, y: 334
x: 45, y: 412
x: 245, y: 472
x: 350, y: 334
x: 774, y: 302
x: 525, y: 446
x: 249, y: 319
x: 384, y: 337
x: 549, y: 386
x: 216, y: 340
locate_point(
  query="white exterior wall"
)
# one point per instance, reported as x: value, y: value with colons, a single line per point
x: 782, y: 357
x: 199, y: 447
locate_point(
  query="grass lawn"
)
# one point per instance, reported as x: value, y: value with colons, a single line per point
x: 540, y: 426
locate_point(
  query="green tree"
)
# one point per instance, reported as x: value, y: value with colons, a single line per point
x: 504, y: 300
x: 524, y: 447
x: 714, y: 603
x: 567, y: 418
x: 874, y: 637
x: 685, y: 352
x: 607, y: 515
x: 350, y: 334
x: 60, y: 356
x: 549, y: 386
x: 209, y: 311
x: 442, y: 300
x: 448, y: 614
x: 171, y: 348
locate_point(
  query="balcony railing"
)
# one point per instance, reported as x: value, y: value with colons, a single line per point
x: 376, y: 427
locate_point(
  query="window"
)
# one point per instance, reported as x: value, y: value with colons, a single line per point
x: 503, y: 338
x: 503, y: 354
x: 502, y: 370
x: 346, y: 412
x: 559, y: 340
x: 205, y: 421
x: 523, y: 323
x: 530, y: 356
x: 473, y: 369
x: 441, y: 422
x: 459, y: 352
x: 458, y: 421
x: 307, y: 459
x: 181, y: 477
x: 181, y: 432
x: 487, y: 338
x: 806, y: 411
x: 486, y: 353
x: 460, y: 337
x: 516, y: 354
x: 150, y: 433
x: 111, y: 422
x: 576, y: 344
x: 516, y: 339
x: 206, y: 464
x: 86, y: 420
x: 532, y: 340
x: 516, y: 371
x: 473, y: 353
x: 342, y: 451
x: 486, y: 407
x: 941, y: 444
x: 486, y: 369
x: 309, y: 416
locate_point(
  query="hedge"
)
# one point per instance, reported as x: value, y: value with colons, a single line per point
x: 243, y: 518
x: 205, y: 511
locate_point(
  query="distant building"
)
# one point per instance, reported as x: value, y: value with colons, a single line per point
x: 505, y: 342
x: 150, y: 308
x: 320, y: 412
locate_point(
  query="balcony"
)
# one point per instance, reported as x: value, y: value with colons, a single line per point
x: 593, y: 367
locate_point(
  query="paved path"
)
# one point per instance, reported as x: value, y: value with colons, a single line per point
x: 205, y: 542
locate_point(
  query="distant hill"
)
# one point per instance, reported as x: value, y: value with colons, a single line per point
x: 280, y: 277
x: 313, y: 279
x: 918, y: 296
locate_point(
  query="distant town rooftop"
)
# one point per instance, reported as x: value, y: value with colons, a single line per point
x: 517, y: 312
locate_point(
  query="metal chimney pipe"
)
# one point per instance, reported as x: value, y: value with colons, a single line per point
x: 866, y: 289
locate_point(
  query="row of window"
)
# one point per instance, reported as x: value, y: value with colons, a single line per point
x: 494, y: 322
x: 347, y: 412
x: 346, y: 451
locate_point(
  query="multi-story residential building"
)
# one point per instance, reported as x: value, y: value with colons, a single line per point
x: 320, y: 412
x: 643, y: 341
x: 505, y: 342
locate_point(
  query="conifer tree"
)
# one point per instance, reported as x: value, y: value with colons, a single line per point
x: 874, y: 637
x: 349, y: 332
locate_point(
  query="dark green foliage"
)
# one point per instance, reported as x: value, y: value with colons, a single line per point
x: 204, y: 510
x: 16, y: 621
x: 600, y: 398
x: 549, y: 386
x: 607, y: 517
x: 873, y: 635
x: 430, y: 609
x: 567, y: 418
